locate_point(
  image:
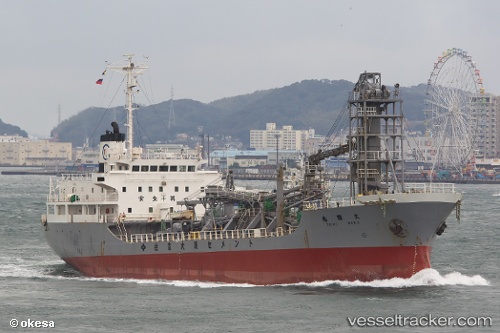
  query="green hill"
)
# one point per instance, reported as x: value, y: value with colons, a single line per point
x: 306, y: 104
x: 7, y: 129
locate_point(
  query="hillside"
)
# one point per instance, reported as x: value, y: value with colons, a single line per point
x: 306, y: 104
x: 7, y: 129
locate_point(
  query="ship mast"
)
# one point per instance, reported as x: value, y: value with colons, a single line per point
x: 131, y: 71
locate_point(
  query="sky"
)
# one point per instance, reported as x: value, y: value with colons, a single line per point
x: 53, y: 51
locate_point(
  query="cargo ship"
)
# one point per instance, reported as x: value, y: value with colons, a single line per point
x: 159, y: 214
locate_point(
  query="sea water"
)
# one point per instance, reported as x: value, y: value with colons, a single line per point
x: 35, y: 285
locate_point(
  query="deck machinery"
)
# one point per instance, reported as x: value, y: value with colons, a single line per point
x: 375, y: 136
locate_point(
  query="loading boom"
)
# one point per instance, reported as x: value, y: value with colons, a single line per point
x: 316, y: 159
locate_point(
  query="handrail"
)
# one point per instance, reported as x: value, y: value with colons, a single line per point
x: 208, y: 235
x: 76, y: 177
x: 430, y: 187
x: 141, y: 238
x: 380, y: 155
x: 91, y: 197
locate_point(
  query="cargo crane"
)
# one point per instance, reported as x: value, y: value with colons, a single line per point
x: 316, y: 159
x: 314, y: 183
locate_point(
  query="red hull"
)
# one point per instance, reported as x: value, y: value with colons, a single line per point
x: 263, y: 267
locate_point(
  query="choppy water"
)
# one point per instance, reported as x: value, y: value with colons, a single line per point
x: 36, y: 285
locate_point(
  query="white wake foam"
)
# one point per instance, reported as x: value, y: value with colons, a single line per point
x: 29, y: 272
x: 198, y: 284
x: 175, y: 283
x: 426, y: 277
x: 25, y: 269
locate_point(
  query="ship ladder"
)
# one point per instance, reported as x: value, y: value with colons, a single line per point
x: 243, y: 219
x: 121, y: 230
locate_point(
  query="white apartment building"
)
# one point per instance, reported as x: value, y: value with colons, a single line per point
x: 18, y: 150
x: 285, y: 138
x: 487, y: 109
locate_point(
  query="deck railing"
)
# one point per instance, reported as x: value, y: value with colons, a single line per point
x: 430, y: 187
x: 76, y: 177
x: 91, y: 197
x: 334, y: 202
x: 206, y: 235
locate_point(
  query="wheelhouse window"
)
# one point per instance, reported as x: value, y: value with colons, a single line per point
x: 153, y: 168
x: 182, y: 168
x: 191, y: 168
x: 173, y: 168
x: 163, y: 168
x: 135, y: 168
x: 144, y: 168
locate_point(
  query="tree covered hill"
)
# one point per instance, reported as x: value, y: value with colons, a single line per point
x: 7, y: 129
x: 306, y: 104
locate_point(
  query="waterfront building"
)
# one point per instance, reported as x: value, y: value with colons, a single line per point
x: 487, y: 109
x: 18, y: 150
x: 285, y: 138
x: 252, y: 158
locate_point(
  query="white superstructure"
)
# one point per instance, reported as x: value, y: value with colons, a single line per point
x: 132, y: 183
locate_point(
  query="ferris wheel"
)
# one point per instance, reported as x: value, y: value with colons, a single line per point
x: 453, y: 108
